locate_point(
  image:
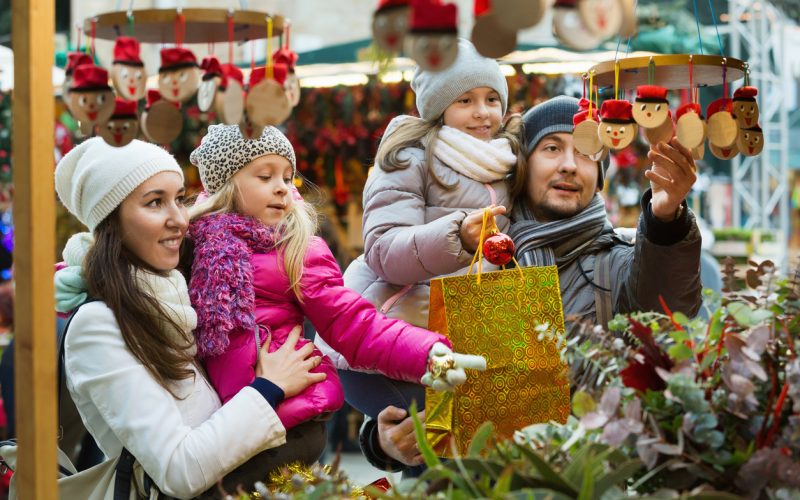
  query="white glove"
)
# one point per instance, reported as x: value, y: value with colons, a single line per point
x: 446, y: 368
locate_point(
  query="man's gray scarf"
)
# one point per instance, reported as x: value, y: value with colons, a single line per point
x: 559, y: 242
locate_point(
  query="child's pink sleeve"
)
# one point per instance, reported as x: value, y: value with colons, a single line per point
x: 234, y: 368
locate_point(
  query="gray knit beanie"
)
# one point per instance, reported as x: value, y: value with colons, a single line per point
x: 438, y: 89
x: 551, y: 117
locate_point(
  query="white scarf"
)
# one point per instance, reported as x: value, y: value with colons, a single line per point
x: 171, y: 290
x: 482, y: 161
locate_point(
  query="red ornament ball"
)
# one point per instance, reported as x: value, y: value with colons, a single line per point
x: 498, y: 249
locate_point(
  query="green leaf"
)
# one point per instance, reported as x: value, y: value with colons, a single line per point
x: 741, y: 312
x: 431, y: 460
x: 621, y: 473
x: 503, y: 485
x: 547, y: 473
x: 582, y: 403
x: 680, y: 352
x: 680, y: 318
x: 760, y: 316
x: 587, y: 485
x: 717, y: 326
x: 480, y: 441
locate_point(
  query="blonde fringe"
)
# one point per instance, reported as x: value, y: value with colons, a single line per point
x: 294, y: 231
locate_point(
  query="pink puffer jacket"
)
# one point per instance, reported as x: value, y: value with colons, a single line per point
x: 345, y: 320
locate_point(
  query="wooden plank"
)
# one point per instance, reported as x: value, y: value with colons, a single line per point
x: 33, y: 25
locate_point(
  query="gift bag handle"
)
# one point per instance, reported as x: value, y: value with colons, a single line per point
x: 487, y: 225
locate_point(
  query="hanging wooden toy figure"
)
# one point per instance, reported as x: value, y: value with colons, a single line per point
x: 127, y: 71
x: 212, y: 76
x: 750, y: 141
x: 161, y: 120
x: 651, y: 106
x: 690, y: 127
x: 585, y: 135
x: 745, y: 107
x: 568, y: 26
x: 123, y: 125
x: 266, y: 102
x: 617, y: 128
x: 291, y: 85
x: 432, y: 40
x: 390, y: 24
x: 603, y: 18
x: 179, y: 74
x: 229, y: 98
x: 721, y: 125
x: 91, y: 98
x: 74, y: 59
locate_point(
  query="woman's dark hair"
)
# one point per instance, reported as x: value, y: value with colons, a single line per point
x: 146, y: 329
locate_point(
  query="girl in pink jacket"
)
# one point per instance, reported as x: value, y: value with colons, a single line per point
x: 258, y: 270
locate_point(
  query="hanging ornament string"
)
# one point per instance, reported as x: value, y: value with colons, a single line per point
x: 719, y: 38
x: 230, y: 37
x: 131, y: 30
x: 94, y: 35
x: 269, y: 47
x: 697, y: 22
x: 585, y: 82
x: 591, y: 84
x: 252, y: 56
x: 616, y: 79
x: 288, y: 30
x: 180, y: 28
x: 693, y: 91
x: 78, y: 41
x: 746, y: 74
x: 651, y: 71
x: 724, y: 78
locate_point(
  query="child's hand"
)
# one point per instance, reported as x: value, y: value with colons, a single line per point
x: 470, y: 232
x: 288, y: 368
x: 446, y: 368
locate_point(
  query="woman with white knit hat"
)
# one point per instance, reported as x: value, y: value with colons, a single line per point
x: 129, y: 354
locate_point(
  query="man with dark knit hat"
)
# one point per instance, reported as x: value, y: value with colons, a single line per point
x: 559, y: 218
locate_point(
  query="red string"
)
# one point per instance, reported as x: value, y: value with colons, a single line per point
x: 78, y: 46
x: 584, y: 87
x: 287, y: 30
x: 180, y: 29
x: 94, y: 33
x: 252, y: 56
x: 230, y: 38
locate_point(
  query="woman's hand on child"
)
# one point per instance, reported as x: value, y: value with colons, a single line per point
x: 288, y: 368
x: 470, y: 232
x: 446, y: 368
x: 397, y: 437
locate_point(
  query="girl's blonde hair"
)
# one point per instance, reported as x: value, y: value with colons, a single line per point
x: 294, y: 232
x: 418, y: 133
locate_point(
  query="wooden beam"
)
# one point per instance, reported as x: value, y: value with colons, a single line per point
x: 33, y: 26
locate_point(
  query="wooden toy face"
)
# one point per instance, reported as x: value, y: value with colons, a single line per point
x: 513, y: 15
x: 662, y: 133
x: 570, y: 29
x: 162, y: 123
x: 292, y: 88
x: 746, y: 113
x: 129, y: 81
x: 432, y: 52
x: 722, y: 129
x: 206, y: 92
x: 92, y: 107
x: 586, y: 139
x: 179, y: 85
x: 389, y: 28
x: 750, y: 142
x: 119, y: 132
x: 650, y: 114
x: 603, y: 18
x: 490, y: 39
x: 267, y: 104
x: 690, y: 130
x: 229, y: 103
x: 616, y: 135
x: 724, y: 153
x: 249, y: 129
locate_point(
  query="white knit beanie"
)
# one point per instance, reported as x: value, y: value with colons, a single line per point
x: 94, y: 178
x: 438, y: 89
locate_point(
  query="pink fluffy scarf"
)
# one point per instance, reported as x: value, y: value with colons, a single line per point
x: 221, y: 285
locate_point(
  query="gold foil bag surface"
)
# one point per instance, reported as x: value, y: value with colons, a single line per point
x: 525, y: 381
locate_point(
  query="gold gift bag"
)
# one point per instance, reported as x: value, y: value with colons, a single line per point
x: 495, y: 315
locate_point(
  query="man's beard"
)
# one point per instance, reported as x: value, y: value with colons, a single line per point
x: 554, y: 212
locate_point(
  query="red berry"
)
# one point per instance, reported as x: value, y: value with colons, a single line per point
x: 498, y: 249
